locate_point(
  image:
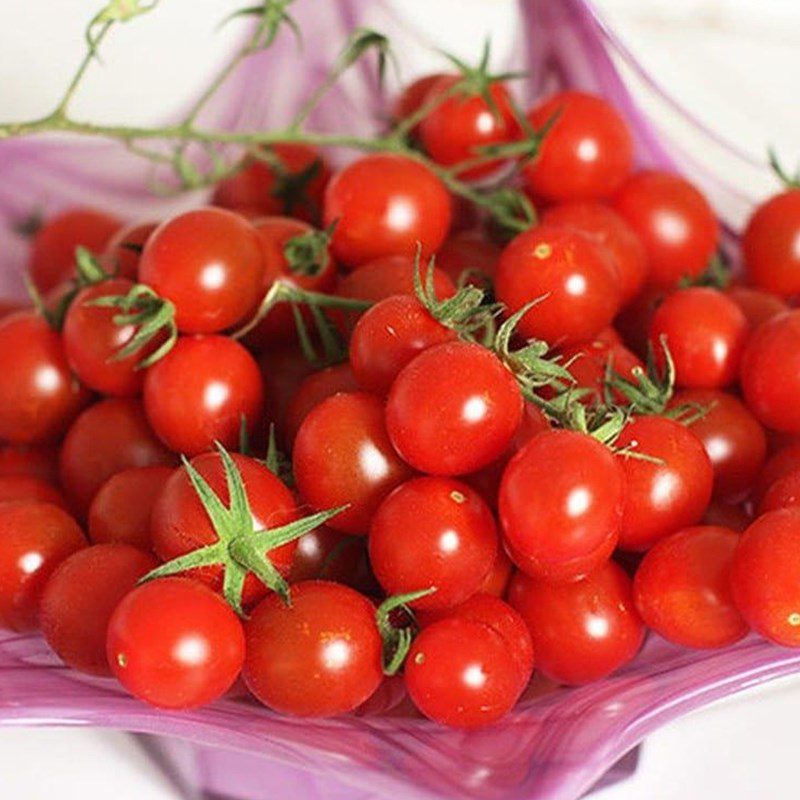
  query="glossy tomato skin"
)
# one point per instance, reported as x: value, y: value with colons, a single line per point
x: 120, y: 511
x: 783, y: 493
x: 705, y: 332
x: 665, y: 496
x: 413, y: 96
x: 52, y: 254
x: 433, y: 532
x: 727, y: 515
x: 14, y: 488
x: 468, y: 257
x: 456, y: 129
x: 198, y: 393
x: 174, y: 643
x: 208, y: 262
x: 342, y: 455
x: 179, y: 524
x: 757, y: 305
x: 771, y: 244
x: 732, y: 437
x: 777, y: 466
x: 589, y: 362
x: 390, y: 335
x: 575, y: 278
x: 587, y: 153
x: 124, y: 250
x: 31, y: 461
x: 610, y: 231
x: 39, y: 395
x: 765, y: 576
x: 80, y: 597
x: 319, y: 657
x: 461, y: 673
x: 770, y: 373
x: 496, y: 581
x: 385, y: 205
x: 682, y: 588
x: 326, y: 554
x: 34, y: 539
x: 674, y: 222
x: 561, y: 523
x: 454, y: 409
x: 581, y: 631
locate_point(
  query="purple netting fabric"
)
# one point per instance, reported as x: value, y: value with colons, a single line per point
x: 559, y: 742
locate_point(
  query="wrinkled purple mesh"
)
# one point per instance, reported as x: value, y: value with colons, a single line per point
x: 558, y: 743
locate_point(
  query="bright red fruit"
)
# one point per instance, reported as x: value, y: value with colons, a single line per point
x: 757, y: 306
x: 783, y: 492
x: 29, y: 461
x: 14, y: 488
x: 124, y: 250
x: 468, y: 257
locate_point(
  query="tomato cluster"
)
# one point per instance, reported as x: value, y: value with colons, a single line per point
x: 520, y: 454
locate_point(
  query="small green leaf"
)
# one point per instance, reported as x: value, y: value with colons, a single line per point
x: 239, y: 506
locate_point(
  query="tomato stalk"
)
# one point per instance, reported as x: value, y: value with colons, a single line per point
x: 397, y: 641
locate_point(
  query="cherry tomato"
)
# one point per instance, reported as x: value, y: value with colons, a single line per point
x: 39, y: 396
x: 330, y: 555
x: 610, y: 231
x: 561, y: 523
x: 283, y: 370
x: 318, y: 657
x: 771, y: 244
x: 12, y: 306
x: 770, y: 374
x: 757, y: 306
x: 295, y: 187
x: 682, y: 588
x: 496, y: 581
x: 727, y: 515
x: 386, y: 205
x: 80, y: 597
x: 587, y: 153
x: 28, y: 489
x: 573, y: 279
x: 783, y: 462
x: 669, y: 493
x: 783, y: 492
x: 342, y: 455
x: 413, y: 96
x: 208, y: 262
x: 765, y: 576
x: 390, y: 335
x: 124, y: 250
x: 674, y: 222
x: 175, y: 644
x: 463, y: 123
x: 633, y: 322
x: 433, y: 532
x: 200, y: 391
x: 581, y: 631
x: 706, y: 334
x: 52, y: 254
x: 120, y: 511
x: 732, y: 437
x: 454, y: 409
x: 462, y: 673
x: 32, y: 461
x: 468, y: 257
x: 108, y: 437
x: 180, y: 524
x: 34, y: 539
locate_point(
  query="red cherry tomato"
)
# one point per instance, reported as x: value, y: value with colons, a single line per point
x: 682, y: 588
x: 727, y: 515
x: 386, y: 205
x: 390, y: 335
x: 462, y: 673
x: 454, y: 409
x: 608, y: 229
x: 208, y: 262
x: 52, y: 255
x: 468, y: 257
x: 200, y: 391
x: 587, y: 153
x: 39, y: 396
x: 124, y: 250
x: 433, y: 532
x: 581, y: 631
x: 283, y: 370
x: 757, y: 306
x: 783, y: 462
x: 318, y: 657
x: 674, y: 222
x: 456, y: 129
x: 175, y: 644
x: 34, y: 539
x: 765, y: 576
x: 342, y: 455
x: 80, y: 597
x: 108, y: 437
x: 664, y: 495
x: 732, y: 437
x: 327, y: 554
x: 413, y: 96
x: 15, y: 488
x: 572, y: 277
x: 120, y: 511
x: 31, y: 461
x: 770, y: 374
x: 496, y: 581
x: 783, y: 493
x: 561, y: 523
x: 706, y: 333
x: 771, y: 244
x: 180, y: 524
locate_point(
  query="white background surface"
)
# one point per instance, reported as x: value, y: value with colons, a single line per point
x: 736, y: 62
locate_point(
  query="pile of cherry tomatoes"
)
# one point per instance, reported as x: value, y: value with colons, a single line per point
x: 335, y: 429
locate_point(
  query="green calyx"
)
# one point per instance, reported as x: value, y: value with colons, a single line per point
x: 239, y: 548
x: 397, y: 641
x: 307, y: 253
x: 716, y: 275
x: 652, y: 388
x: 788, y: 180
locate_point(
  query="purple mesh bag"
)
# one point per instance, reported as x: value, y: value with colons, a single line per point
x: 559, y: 743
